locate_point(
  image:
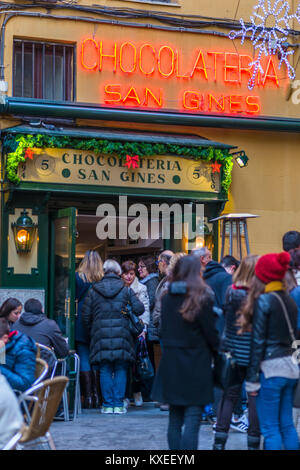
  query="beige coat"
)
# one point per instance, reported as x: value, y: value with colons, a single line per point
x: 142, y: 294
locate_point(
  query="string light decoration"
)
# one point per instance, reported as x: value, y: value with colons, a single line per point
x: 269, y: 40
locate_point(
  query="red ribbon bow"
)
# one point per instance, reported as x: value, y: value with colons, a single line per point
x: 132, y: 161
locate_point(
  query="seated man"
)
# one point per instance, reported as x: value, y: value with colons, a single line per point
x: 11, y: 419
x: 18, y: 365
x: 34, y: 323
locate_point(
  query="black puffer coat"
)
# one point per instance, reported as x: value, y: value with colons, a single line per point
x: 108, y: 328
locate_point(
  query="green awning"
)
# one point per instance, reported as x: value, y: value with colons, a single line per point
x: 117, y: 135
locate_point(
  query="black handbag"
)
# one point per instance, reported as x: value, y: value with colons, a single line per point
x: 136, y: 326
x: 225, y: 370
x: 143, y: 366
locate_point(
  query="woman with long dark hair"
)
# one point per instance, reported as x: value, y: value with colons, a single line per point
x: 239, y: 347
x: 184, y: 379
x: 11, y: 309
x: 271, y: 314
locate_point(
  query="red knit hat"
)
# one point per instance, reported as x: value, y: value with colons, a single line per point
x: 272, y: 267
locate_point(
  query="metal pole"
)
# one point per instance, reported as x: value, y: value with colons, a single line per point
x: 238, y: 238
x: 246, y: 237
x: 223, y: 239
x: 230, y: 237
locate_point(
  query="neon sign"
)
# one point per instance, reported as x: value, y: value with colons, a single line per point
x: 195, y: 74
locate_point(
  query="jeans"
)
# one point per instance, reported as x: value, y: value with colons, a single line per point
x: 113, y: 378
x: 274, y: 405
x: 83, y: 352
x: 190, y: 418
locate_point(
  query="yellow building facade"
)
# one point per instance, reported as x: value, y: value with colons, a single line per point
x: 142, y: 72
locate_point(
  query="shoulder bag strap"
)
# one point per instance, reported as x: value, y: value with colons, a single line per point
x: 285, y: 314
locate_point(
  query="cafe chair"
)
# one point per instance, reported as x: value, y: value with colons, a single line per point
x: 46, y: 397
x: 74, y: 382
x: 72, y: 372
x: 41, y: 370
x: 59, y: 369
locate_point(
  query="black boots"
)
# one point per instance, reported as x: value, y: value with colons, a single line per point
x: 96, y: 390
x: 253, y: 443
x: 220, y: 440
x: 86, y: 389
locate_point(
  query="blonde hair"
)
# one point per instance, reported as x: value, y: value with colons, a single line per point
x: 173, y: 261
x: 91, y: 267
x: 245, y: 272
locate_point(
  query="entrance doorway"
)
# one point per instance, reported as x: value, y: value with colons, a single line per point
x: 74, y: 231
x: 119, y: 249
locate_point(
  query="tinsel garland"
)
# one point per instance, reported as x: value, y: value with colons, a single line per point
x: 15, y: 147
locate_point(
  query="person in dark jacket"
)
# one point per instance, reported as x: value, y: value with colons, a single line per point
x: 230, y: 264
x: 20, y: 358
x: 11, y: 309
x: 147, y: 270
x: 111, y: 342
x: 272, y: 374
x: 239, y: 347
x: 219, y: 280
x: 34, y: 323
x: 184, y: 378
x: 90, y: 270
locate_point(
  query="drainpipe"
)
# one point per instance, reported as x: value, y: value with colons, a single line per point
x: 76, y: 110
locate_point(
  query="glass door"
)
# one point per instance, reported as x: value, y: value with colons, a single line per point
x: 62, y: 289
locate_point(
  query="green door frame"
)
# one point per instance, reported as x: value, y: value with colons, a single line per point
x: 70, y: 310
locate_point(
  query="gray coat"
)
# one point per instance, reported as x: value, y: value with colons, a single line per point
x: 44, y: 331
x: 151, y: 282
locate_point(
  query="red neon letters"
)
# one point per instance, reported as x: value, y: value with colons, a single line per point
x: 166, y: 62
x: 192, y: 71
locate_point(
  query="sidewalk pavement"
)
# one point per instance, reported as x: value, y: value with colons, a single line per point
x: 142, y: 428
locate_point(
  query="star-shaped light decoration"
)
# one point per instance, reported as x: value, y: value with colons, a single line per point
x: 216, y: 167
x: 269, y: 40
x: 29, y: 153
x: 132, y: 161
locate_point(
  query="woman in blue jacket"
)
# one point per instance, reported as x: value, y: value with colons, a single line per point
x: 20, y: 358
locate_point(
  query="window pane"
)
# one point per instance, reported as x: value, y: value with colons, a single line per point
x: 57, y: 70
x: 56, y: 76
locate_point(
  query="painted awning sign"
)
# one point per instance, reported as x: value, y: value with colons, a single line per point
x: 69, y: 166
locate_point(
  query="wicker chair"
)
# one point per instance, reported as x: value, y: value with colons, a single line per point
x: 58, y: 364
x: 70, y: 367
x: 41, y: 370
x: 46, y: 397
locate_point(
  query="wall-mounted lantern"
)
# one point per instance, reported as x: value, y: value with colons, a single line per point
x: 24, y: 232
x: 241, y: 158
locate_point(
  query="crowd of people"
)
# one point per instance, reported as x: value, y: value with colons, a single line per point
x: 198, y: 312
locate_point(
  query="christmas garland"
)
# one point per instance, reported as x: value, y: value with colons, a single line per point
x: 16, y: 146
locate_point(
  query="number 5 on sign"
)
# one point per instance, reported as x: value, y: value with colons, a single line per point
x: 44, y: 164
